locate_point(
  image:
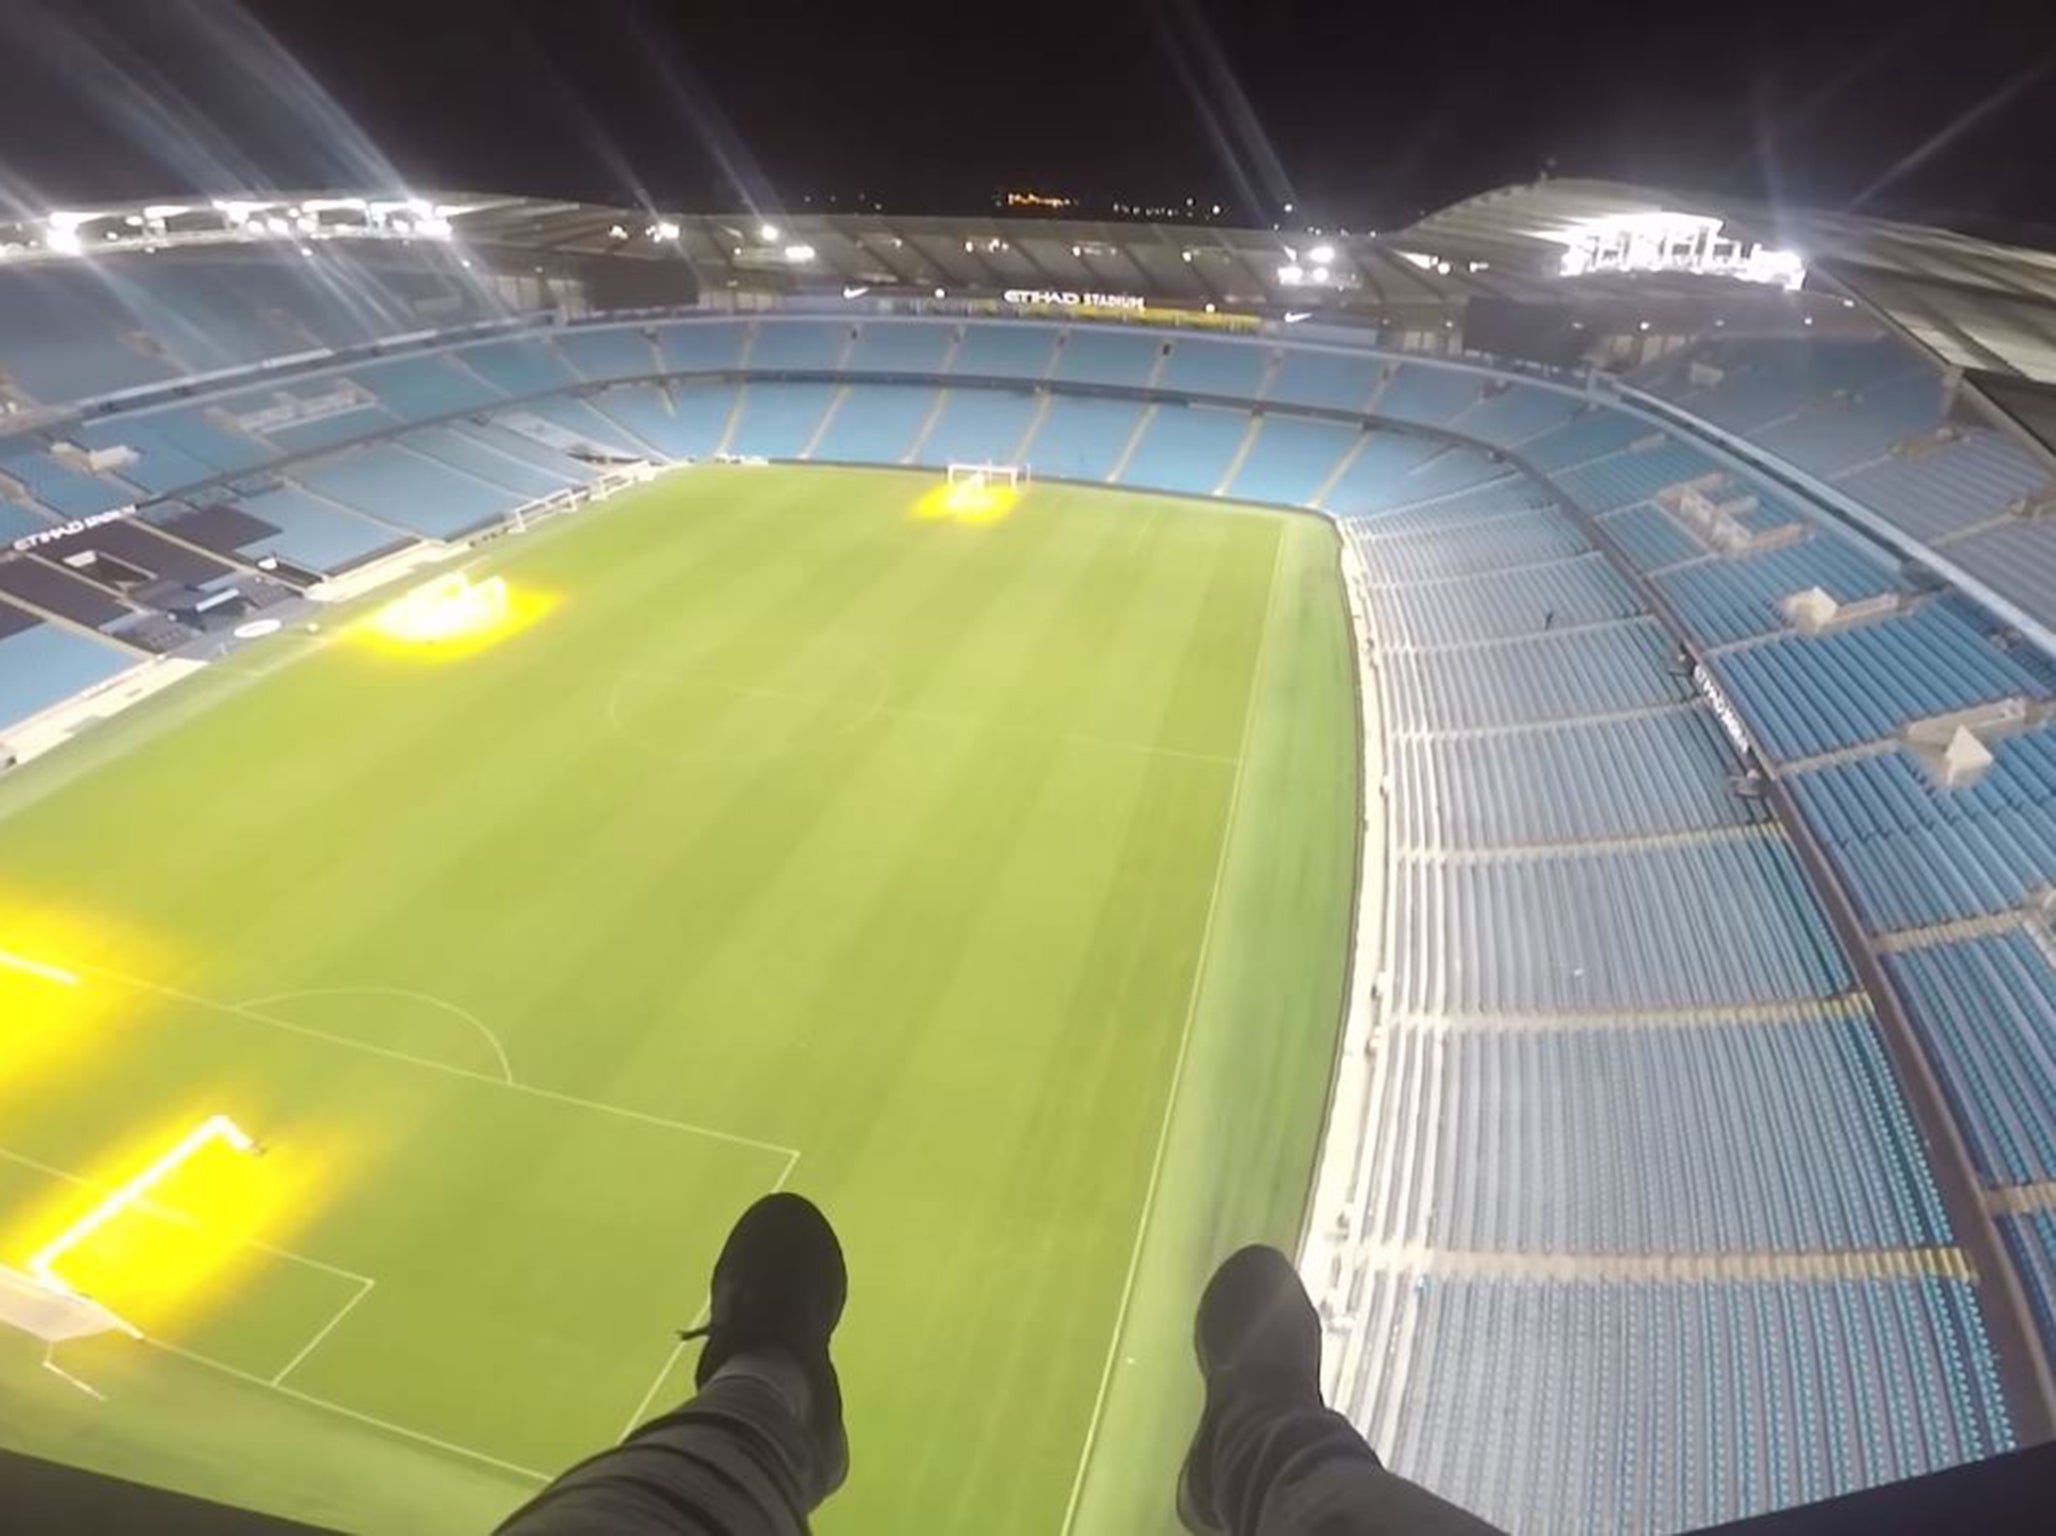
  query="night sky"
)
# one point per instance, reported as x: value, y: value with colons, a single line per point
x: 1363, y: 115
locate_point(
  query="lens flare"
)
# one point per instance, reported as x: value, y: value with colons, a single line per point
x: 452, y: 617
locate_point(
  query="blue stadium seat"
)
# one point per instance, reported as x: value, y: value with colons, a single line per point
x: 424, y: 388
x: 320, y: 535
x: 1185, y: 448
x: 1623, y: 478
x: 1082, y: 438
x: 1950, y: 488
x: 1721, y: 601
x: 1291, y: 459
x: 1911, y: 853
x: 609, y: 352
x: 1985, y: 1010
x: 1234, y: 369
x: 44, y: 665
x: 1810, y: 694
x: 1659, y: 1139
x: 777, y: 421
x: 407, y: 490
x: 468, y: 456
x: 1424, y: 395
x: 70, y: 492
x: 798, y: 345
x: 901, y: 346
x: 702, y: 346
x: 1518, y: 412
x: 875, y: 423
x: 1105, y: 356
x: 1376, y: 476
x: 1499, y: 605
x: 519, y: 368
x: 1401, y: 551
x: 1005, y: 350
x: 979, y: 426
x: 1642, y: 776
x: 1340, y: 381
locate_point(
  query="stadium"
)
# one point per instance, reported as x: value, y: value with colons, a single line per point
x: 1509, y: 758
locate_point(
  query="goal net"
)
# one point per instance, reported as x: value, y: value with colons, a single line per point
x: 978, y: 476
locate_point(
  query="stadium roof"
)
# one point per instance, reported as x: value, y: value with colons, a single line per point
x: 1974, y: 303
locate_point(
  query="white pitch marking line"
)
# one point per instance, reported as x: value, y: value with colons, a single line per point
x: 36, y: 968
x: 243, y: 1011
x: 671, y: 1360
x: 429, y: 998
x: 1163, y: 1141
x: 327, y: 1328
x: 349, y: 1413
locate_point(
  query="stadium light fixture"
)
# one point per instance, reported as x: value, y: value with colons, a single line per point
x: 799, y: 253
x: 1662, y: 240
x: 1291, y: 273
x: 617, y: 232
x: 1319, y: 274
x: 61, y: 232
x: 664, y: 229
x: 767, y: 232
x: 1321, y: 255
x: 940, y: 294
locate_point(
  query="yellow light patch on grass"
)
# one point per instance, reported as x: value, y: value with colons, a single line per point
x: 451, y: 617
x: 170, y: 1225
x: 974, y: 500
x: 53, y: 1004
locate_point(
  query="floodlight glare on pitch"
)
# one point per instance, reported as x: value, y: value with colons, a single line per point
x: 974, y: 493
x: 57, y: 975
x: 215, y: 1128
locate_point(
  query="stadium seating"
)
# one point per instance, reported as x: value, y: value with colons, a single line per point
x: 1986, y: 1012
x: 1808, y: 694
x: 18, y: 521
x: 469, y: 456
x: 1374, y: 476
x: 1640, y: 776
x: 1621, y: 478
x: 1106, y: 357
x: 1185, y: 448
x: 519, y: 368
x: 1335, y: 381
x: 42, y: 665
x: 319, y: 535
x: 702, y: 346
x: 1427, y: 396
x: 1005, y: 352
x: 408, y: 490
x: 67, y: 492
x: 980, y: 426
x: 1913, y: 854
x: 798, y: 345
x: 1080, y: 437
x: 876, y: 424
x: 1403, y: 551
x: 1517, y: 413
x: 901, y: 346
x: 609, y: 352
x: 1721, y: 601
x: 1953, y: 487
x: 1659, y: 1140
x: 1291, y: 458
x: 2031, y: 1240
x: 426, y: 388
x: 1758, y: 1395
x: 778, y: 421
x: 1233, y: 369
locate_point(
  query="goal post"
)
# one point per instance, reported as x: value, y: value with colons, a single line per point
x: 978, y: 476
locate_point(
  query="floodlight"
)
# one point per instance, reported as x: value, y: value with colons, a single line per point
x: 664, y: 229
x: 1321, y: 255
x: 1291, y: 272
x: 767, y: 232
x: 1320, y: 274
x: 799, y: 253
x: 63, y: 233
x: 940, y: 294
x: 617, y: 233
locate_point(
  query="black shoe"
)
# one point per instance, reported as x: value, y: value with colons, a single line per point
x: 780, y: 1284
x: 1257, y: 1336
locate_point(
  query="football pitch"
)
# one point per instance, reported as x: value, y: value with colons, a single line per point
x: 988, y: 883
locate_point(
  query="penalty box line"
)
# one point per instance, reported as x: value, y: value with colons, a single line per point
x: 449, y: 1069
x: 364, y: 1283
x: 699, y: 1320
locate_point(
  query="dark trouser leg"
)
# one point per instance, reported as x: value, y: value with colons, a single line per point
x: 736, y: 1460
x: 1298, y: 1469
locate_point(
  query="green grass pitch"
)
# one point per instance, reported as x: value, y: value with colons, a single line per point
x: 909, y: 863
